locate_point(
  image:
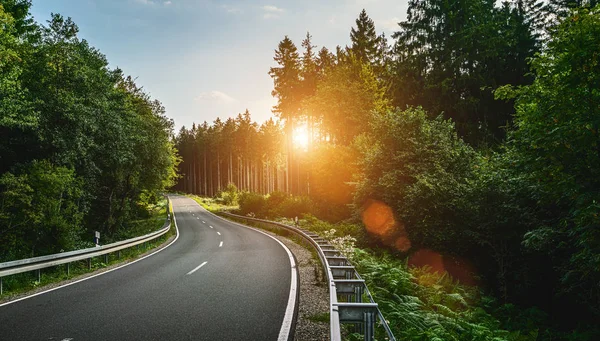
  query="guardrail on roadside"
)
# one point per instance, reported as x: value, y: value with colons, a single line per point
x: 343, y: 281
x: 38, y: 263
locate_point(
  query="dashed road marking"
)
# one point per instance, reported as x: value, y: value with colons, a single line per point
x: 197, y: 268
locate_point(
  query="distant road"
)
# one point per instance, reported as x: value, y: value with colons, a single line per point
x: 218, y: 281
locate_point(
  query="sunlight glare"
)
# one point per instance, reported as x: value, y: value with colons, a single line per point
x: 300, y: 137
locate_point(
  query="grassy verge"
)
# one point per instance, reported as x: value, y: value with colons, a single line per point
x: 23, y: 283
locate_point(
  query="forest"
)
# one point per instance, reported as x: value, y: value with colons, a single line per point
x: 473, y: 129
x: 83, y: 147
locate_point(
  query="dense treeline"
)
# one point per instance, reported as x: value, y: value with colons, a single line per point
x: 237, y: 151
x: 477, y: 125
x: 83, y: 147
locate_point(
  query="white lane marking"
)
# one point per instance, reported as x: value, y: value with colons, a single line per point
x: 67, y: 339
x: 196, y: 268
x: 288, y: 318
x: 221, y: 244
x: 102, y: 273
x: 219, y: 233
x: 210, y: 226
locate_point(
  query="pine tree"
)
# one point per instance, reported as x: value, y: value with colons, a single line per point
x: 560, y: 8
x: 287, y: 89
x: 451, y: 56
x: 365, y: 42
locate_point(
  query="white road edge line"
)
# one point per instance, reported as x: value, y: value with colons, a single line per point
x: 286, y: 325
x: 221, y: 244
x: 102, y: 273
x: 203, y: 222
x: 219, y: 233
x: 196, y: 268
x: 211, y: 227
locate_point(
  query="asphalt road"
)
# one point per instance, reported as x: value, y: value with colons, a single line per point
x: 218, y: 281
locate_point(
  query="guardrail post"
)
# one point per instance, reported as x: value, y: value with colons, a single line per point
x: 369, y: 325
x: 106, y: 259
x: 119, y: 254
x: 89, y: 264
x: 68, y: 269
x: 358, y: 291
x: 39, y: 275
x: 1, y: 286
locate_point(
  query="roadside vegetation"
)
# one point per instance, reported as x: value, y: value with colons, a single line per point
x: 15, y: 285
x: 459, y: 165
x: 83, y: 147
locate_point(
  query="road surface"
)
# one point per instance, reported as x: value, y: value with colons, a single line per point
x: 218, y: 281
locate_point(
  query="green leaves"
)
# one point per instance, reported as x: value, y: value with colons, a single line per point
x: 81, y: 144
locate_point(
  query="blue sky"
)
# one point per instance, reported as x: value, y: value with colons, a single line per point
x: 205, y: 59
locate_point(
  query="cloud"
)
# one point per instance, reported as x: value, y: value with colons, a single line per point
x: 271, y: 8
x: 231, y: 9
x: 153, y: 2
x: 389, y: 24
x: 215, y: 96
x: 271, y: 11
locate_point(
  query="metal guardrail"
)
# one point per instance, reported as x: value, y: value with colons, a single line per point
x: 38, y: 263
x: 343, y: 281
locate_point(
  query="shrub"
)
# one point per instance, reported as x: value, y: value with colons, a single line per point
x: 230, y: 195
x: 252, y: 203
x: 295, y: 207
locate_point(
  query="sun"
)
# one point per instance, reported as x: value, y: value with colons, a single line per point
x: 300, y: 137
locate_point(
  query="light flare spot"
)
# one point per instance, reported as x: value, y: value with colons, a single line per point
x: 378, y: 218
x: 403, y: 244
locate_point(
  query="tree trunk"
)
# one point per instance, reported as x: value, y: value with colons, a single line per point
x: 205, y: 175
x: 218, y: 171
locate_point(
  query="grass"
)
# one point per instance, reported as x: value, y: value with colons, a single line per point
x: 24, y: 282
x: 319, y: 318
x: 211, y: 204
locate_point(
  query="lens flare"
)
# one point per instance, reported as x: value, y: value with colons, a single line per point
x: 378, y: 218
x: 403, y: 244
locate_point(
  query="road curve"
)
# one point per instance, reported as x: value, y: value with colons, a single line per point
x: 218, y: 281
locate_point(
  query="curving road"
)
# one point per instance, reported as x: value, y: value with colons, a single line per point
x: 218, y: 281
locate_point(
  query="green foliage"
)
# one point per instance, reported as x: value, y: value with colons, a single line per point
x: 423, y: 305
x: 349, y: 93
x: 295, y: 206
x: 557, y: 146
x: 39, y: 212
x: 230, y: 195
x: 419, y: 167
x: 252, y: 204
x: 451, y: 55
x: 83, y: 145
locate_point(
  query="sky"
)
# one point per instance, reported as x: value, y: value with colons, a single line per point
x: 205, y: 59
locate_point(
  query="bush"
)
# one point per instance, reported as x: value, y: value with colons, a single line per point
x: 252, y: 203
x: 295, y: 207
x: 274, y: 201
x: 230, y: 195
